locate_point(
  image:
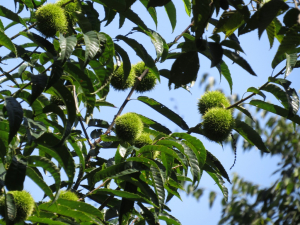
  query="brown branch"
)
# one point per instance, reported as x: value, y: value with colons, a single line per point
x: 251, y: 95
x: 90, y: 192
x: 186, y: 29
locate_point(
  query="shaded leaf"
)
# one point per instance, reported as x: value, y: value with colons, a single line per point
x: 38, y: 85
x: 164, y: 111
x: 7, y: 43
x: 67, y: 46
x: 15, y: 175
x: 250, y: 135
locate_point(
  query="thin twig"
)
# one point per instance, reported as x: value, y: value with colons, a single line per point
x: 100, y: 186
x: 178, y: 37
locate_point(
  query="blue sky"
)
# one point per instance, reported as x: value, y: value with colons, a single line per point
x: 249, y: 164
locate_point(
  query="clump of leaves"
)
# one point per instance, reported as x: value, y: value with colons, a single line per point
x: 51, y: 18
x: 128, y: 127
x: 148, y: 82
x: 24, y: 204
x: 217, y: 124
x: 118, y: 80
x: 212, y: 99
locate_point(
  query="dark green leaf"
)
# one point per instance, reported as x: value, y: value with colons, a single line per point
x: 171, y: 11
x: 11, y: 208
x: 201, y: 14
x: 216, y: 164
x: 56, y: 73
x: 250, y: 135
x: 15, y: 116
x: 142, y: 53
x: 219, y: 181
x: 155, y: 125
x: 164, y: 111
x: 239, y: 60
x: 184, y: 70
x: 223, y: 69
x: 256, y: 91
x: 15, y: 175
x: 245, y: 111
x: 92, y: 46
x: 67, y: 46
x: 39, y: 83
x: 7, y: 43
x: 8, y: 14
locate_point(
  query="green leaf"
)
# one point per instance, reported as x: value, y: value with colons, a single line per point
x: 66, y: 211
x: 164, y: 111
x: 15, y: 116
x: 291, y: 60
x: 79, y: 149
x: 256, y: 91
x: 126, y: 60
x: 158, y: 184
x: 164, y: 149
x: 288, y: 45
x: 86, y: 86
x: 278, y: 93
x: 223, y: 69
x: 124, y: 194
x: 201, y: 14
x: 8, y: 14
x: 291, y: 17
x: 271, y: 29
x: 276, y: 109
x: 81, y: 207
x: 67, y: 97
x: 245, y: 111
x: 39, y: 83
x: 212, y: 198
x: 67, y: 46
x: 232, y: 44
x: 239, y: 60
x: 151, y: 11
x: 91, y: 46
x: 142, y: 53
x: 47, y: 165
x: 185, y: 69
x: 15, y: 175
x: 250, y: 135
x: 39, y: 181
x: 201, y: 152
x: 60, y: 153
x: 171, y: 12
x: 4, y: 133
x: 56, y: 73
x: 219, y: 181
x: 216, y: 165
x: 11, y: 208
x: 188, y: 8
x: 98, y: 123
x: 7, y: 43
x: 169, y: 218
x: 45, y: 220
x: 154, y: 125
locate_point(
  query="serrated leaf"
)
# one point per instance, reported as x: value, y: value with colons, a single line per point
x: 158, y: 184
x: 126, y: 60
x: 239, y: 60
x: 223, y: 69
x: 219, y: 181
x: 82, y: 207
x: 288, y: 45
x: 185, y: 69
x: 250, y: 135
x: 15, y: 175
x: 278, y: 93
x: 47, y: 165
x: 276, y: 109
x: 197, y: 144
x: 142, y: 53
x: 15, y: 116
x: 55, y: 75
x: 169, y: 218
x: 164, y: 111
x: 91, y: 46
x: 7, y: 43
x: 271, y: 29
x: 171, y: 12
x: 60, y: 153
x: 67, y: 46
x: 245, y: 111
x: 187, y: 6
x: 44, y: 220
x: 11, y: 208
x: 232, y: 44
x: 124, y: 194
x: 39, y: 181
x: 291, y: 60
x: 256, y: 91
x: 39, y: 83
x: 201, y: 14
x: 154, y: 125
x: 6, y: 13
x: 216, y: 164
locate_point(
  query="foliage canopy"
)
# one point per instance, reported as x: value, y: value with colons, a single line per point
x: 41, y: 125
